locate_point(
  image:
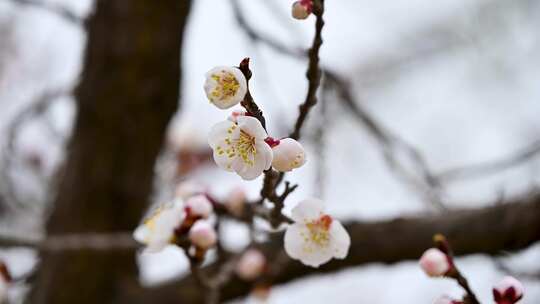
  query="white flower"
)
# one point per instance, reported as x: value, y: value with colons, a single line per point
x: 315, y: 237
x: 302, y: 9
x: 199, y: 206
x: 202, y: 234
x: 188, y: 189
x: 225, y: 86
x: 240, y: 147
x: 508, y: 291
x: 435, y: 263
x: 251, y: 265
x: 157, y: 231
x: 288, y: 154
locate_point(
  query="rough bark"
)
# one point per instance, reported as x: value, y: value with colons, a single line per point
x: 492, y: 230
x: 127, y: 95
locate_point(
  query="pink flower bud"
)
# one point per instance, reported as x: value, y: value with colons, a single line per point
x: 288, y: 155
x: 508, y: 291
x: 235, y: 201
x: 203, y: 235
x: 435, y: 263
x: 251, y: 265
x: 199, y: 206
x: 302, y: 9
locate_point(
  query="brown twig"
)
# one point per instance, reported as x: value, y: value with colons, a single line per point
x: 313, y: 73
x: 442, y: 244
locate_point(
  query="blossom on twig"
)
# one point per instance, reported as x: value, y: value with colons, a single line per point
x: 240, y: 147
x: 315, y: 237
x: 158, y: 230
x: 288, y: 155
x: 225, y: 86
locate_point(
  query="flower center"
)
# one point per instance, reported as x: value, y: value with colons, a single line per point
x: 227, y: 85
x: 319, y: 230
x: 245, y: 146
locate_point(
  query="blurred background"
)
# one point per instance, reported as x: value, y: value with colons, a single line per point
x: 443, y: 114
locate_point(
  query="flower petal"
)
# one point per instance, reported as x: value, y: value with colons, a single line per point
x: 307, y: 210
x: 220, y: 131
x: 298, y: 246
x: 252, y: 126
x: 141, y: 234
x: 266, y: 152
x: 340, y: 241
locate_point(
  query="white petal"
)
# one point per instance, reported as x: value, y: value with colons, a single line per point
x: 242, y: 90
x: 141, y: 234
x: 221, y: 139
x: 294, y: 240
x: 298, y: 246
x: 219, y: 132
x: 252, y: 126
x: 264, y: 149
x: 307, y: 210
x: 340, y: 241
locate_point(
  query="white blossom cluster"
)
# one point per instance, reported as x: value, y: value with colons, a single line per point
x: 241, y: 144
x: 188, y: 215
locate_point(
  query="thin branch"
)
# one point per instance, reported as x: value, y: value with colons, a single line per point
x: 514, y: 225
x: 313, y: 73
x: 492, y: 167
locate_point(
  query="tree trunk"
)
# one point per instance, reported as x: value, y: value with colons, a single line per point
x: 128, y: 92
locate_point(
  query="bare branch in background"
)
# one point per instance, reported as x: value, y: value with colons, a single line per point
x: 514, y: 225
x: 33, y: 110
x: 406, y: 161
x: 492, y: 167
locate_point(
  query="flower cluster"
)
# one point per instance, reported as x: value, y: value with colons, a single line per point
x: 240, y: 143
x: 186, y: 216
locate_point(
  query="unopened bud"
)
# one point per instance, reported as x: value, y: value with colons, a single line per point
x: 302, y: 9
x: 435, y: 263
x: 251, y: 265
x: 288, y: 155
x: 202, y: 235
x: 235, y: 201
x: 508, y: 291
x: 199, y: 206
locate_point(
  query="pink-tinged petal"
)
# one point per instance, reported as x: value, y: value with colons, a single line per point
x: 252, y: 126
x: 340, y: 240
x: 308, y: 210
